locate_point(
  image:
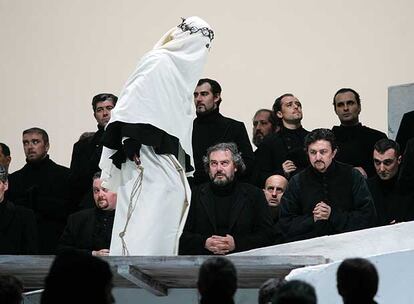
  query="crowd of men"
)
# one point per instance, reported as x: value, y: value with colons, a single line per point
x: 297, y: 184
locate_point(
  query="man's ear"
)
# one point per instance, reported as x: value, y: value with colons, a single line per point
x: 279, y: 114
x: 47, y: 146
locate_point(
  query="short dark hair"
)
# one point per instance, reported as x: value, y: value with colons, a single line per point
x: 5, y: 149
x: 320, y: 134
x: 40, y: 131
x: 103, y: 97
x: 268, y: 290
x: 295, y: 291
x: 385, y: 144
x: 273, y: 119
x: 236, y: 155
x: 217, y: 280
x: 344, y: 90
x: 215, y: 87
x: 357, y: 279
x: 277, y: 105
x: 3, y: 175
x: 96, y: 175
x: 11, y: 289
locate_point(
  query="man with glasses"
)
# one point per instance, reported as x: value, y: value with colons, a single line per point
x: 391, y: 204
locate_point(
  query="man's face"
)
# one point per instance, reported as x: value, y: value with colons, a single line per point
x: 103, y: 112
x: 347, y: 108
x: 274, y: 188
x: 261, y: 127
x: 4, y: 160
x: 291, y: 110
x: 204, y: 99
x: 3, y: 188
x: 104, y: 199
x: 386, y: 164
x: 321, y: 155
x: 34, y: 147
x: 222, y: 167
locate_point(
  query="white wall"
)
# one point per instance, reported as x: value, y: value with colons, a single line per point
x: 55, y: 55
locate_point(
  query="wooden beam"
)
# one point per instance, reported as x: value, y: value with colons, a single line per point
x: 142, y: 280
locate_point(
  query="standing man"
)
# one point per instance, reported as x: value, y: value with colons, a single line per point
x: 391, y: 204
x: 282, y: 153
x: 210, y: 128
x: 226, y: 215
x: 147, y: 143
x: 5, y: 157
x: 355, y: 141
x: 264, y: 123
x: 41, y: 185
x: 87, y: 152
x: 90, y: 230
x: 326, y: 198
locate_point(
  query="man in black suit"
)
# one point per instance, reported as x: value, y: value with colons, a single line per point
x: 226, y: 215
x: 406, y: 130
x: 87, y: 152
x: 90, y: 230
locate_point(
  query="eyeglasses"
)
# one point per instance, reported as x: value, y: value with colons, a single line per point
x: 205, y: 31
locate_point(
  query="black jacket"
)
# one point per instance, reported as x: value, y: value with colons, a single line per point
x: 43, y: 187
x: 214, y: 128
x: 406, y: 130
x: 18, y: 231
x: 356, y: 145
x: 406, y: 178
x: 343, y: 188
x: 88, y: 230
x: 250, y: 222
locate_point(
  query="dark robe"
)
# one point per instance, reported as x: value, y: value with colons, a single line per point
x: 43, y: 187
x: 18, y: 231
x: 88, y: 230
x: 276, y: 149
x: 356, y: 145
x: 406, y: 177
x: 213, y: 128
x: 240, y: 210
x: 406, y: 130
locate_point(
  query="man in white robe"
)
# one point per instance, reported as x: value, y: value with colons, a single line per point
x: 147, y: 143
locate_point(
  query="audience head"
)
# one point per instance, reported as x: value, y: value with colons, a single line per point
x: 222, y: 162
x: 102, y: 105
x: 217, y: 281
x: 387, y: 158
x: 5, y: 157
x: 4, y: 185
x: 264, y: 123
x: 289, y: 109
x: 104, y: 199
x: 275, y: 186
x: 357, y: 280
x: 11, y: 290
x: 347, y: 105
x: 268, y: 289
x: 35, y: 144
x: 207, y: 96
x: 295, y: 292
x: 320, y: 145
x: 76, y: 277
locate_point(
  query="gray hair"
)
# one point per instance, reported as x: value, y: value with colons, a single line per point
x: 236, y: 156
x: 3, y: 174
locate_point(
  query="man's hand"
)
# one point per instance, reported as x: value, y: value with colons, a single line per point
x: 322, y: 211
x: 288, y: 167
x: 132, y: 148
x: 102, y: 252
x: 220, y: 244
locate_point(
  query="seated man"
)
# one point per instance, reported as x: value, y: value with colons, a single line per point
x: 357, y: 281
x: 217, y: 281
x: 226, y: 215
x: 18, y: 231
x: 326, y: 198
x: 275, y: 186
x: 87, y: 152
x: 391, y: 204
x: 90, y: 230
x: 42, y: 185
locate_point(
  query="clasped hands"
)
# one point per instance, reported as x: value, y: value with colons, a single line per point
x: 220, y: 244
x: 322, y: 211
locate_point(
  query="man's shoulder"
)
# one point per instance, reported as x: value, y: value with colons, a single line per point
x: 231, y: 121
x: 58, y: 168
x: 83, y: 214
x: 374, y: 132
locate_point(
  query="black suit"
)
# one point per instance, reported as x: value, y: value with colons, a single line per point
x: 249, y: 221
x: 406, y: 130
x: 18, y: 232
x: 406, y: 178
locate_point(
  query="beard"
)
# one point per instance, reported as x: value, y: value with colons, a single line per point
x: 223, y: 181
